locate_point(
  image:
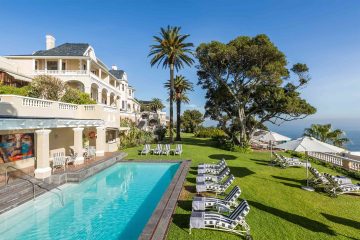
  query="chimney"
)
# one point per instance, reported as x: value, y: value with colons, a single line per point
x: 50, y: 42
x: 114, y: 67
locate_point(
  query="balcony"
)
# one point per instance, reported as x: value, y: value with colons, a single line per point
x: 12, y: 106
x: 61, y: 72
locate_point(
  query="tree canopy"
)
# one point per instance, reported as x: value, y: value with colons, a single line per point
x: 247, y: 83
x: 191, y: 120
x: 326, y: 134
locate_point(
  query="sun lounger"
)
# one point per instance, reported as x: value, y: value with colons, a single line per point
x: 222, y: 205
x: 145, y: 150
x: 318, y: 178
x: 285, y: 162
x: 340, y: 185
x: 166, y: 150
x: 216, y: 221
x: 58, y: 160
x: 212, y: 168
x: 214, y: 187
x: 202, y: 177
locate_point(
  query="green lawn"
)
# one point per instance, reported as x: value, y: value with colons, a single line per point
x: 280, y: 209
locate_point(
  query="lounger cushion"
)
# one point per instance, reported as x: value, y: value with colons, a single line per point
x: 197, y: 220
x: 198, y: 204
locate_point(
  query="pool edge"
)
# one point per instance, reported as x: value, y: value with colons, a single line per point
x: 159, y: 222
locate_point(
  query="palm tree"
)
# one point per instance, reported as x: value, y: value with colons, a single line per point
x: 326, y: 134
x: 156, y: 104
x: 181, y: 86
x: 172, y: 52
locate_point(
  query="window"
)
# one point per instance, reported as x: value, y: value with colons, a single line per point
x: 63, y: 66
x: 129, y: 92
x: 36, y: 65
x: 122, y: 87
x: 52, y: 65
x: 123, y: 104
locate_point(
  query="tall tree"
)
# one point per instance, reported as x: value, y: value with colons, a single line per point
x: 181, y: 87
x: 171, y: 51
x: 326, y: 134
x: 156, y: 104
x: 191, y: 120
x: 245, y: 85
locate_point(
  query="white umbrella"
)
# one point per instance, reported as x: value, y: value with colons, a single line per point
x: 309, y: 144
x: 272, y: 137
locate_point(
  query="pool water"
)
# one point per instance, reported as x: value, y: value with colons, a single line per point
x: 113, y: 204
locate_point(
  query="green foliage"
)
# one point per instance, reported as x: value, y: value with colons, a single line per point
x: 209, y: 132
x: 245, y: 85
x: 22, y: 91
x: 191, y: 120
x: 75, y: 96
x: 326, y: 134
x: 47, y: 87
x: 134, y: 136
x: 156, y: 104
x: 160, y: 133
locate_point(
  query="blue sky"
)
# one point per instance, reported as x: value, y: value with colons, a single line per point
x: 324, y: 34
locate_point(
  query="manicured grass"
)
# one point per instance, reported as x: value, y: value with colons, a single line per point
x: 280, y: 209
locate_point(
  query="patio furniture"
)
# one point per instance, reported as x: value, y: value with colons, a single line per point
x: 202, y: 168
x: 216, y: 221
x: 145, y: 150
x: 214, y: 187
x: 340, y: 185
x: 178, y: 150
x: 202, y: 177
x: 58, y: 160
x: 91, y: 152
x: 222, y: 205
x: 166, y: 150
x: 209, y: 165
x: 158, y: 149
x: 318, y: 178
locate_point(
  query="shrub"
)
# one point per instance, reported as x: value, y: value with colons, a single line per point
x: 47, y: 87
x: 209, y: 132
x: 75, y: 96
x: 134, y: 136
x: 22, y: 91
x: 160, y: 133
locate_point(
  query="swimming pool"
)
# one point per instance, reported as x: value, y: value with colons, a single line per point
x: 113, y: 204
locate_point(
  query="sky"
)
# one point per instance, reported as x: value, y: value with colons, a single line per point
x: 324, y: 34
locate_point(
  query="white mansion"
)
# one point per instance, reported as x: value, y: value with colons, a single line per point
x: 78, y: 66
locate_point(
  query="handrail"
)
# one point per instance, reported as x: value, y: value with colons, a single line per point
x: 7, y: 179
x: 33, y: 184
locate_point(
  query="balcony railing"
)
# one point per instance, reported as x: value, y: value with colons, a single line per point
x: 344, y: 162
x: 61, y: 72
x: 19, y: 106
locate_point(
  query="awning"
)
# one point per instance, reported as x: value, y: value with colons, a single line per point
x: 40, y: 123
x: 19, y: 77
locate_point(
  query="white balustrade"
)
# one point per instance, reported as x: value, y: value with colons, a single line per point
x: 89, y: 107
x: 34, y: 102
x: 67, y: 106
x: 344, y: 162
x: 61, y: 72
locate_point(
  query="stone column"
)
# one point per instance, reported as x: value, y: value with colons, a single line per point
x: 100, y: 140
x: 108, y: 99
x: 88, y: 66
x: 60, y: 65
x: 100, y: 73
x: 43, y: 169
x: 78, y: 145
x: 99, y: 100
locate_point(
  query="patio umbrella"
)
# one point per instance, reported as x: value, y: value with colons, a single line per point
x: 271, y: 137
x: 309, y: 144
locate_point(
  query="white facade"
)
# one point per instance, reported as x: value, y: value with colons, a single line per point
x: 86, y: 73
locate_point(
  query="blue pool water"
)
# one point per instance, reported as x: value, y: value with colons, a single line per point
x: 114, y: 204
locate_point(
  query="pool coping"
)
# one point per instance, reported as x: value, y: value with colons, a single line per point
x: 159, y: 222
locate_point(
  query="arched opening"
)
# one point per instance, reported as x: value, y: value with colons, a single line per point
x: 104, y: 96
x: 76, y: 85
x: 94, y: 92
x: 112, y: 99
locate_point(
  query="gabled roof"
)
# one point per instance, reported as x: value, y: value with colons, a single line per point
x: 66, y: 49
x: 117, y: 73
